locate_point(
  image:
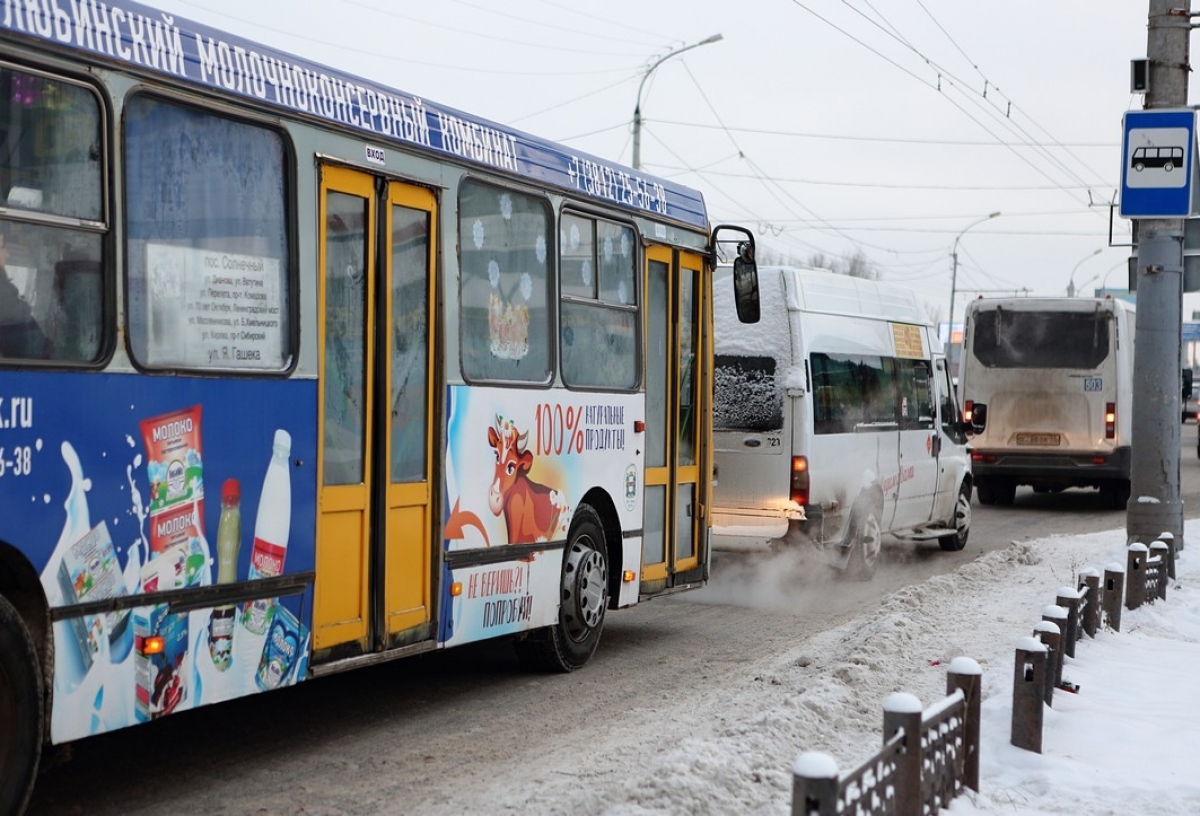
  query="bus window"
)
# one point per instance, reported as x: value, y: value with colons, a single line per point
x: 504, y: 238
x: 207, y: 239
x: 1040, y: 339
x: 598, y: 337
x: 51, y: 271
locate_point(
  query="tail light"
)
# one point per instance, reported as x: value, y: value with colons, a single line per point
x: 969, y: 410
x: 1110, y: 420
x: 799, y: 492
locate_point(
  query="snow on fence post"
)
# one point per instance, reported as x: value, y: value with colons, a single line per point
x: 1160, y: 555
x: 965, y: 675
x: 1135, y: 570
x: 1168, y: 538
x: 1068, y: 599
x: 1029, y: 689
x: 902, y: 713
x: 1051, y: 637
x: 815, y: 785
x: 1089, y: 583
x: 1114, y: 592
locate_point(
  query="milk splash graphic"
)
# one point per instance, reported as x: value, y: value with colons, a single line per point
x: 81, y: 706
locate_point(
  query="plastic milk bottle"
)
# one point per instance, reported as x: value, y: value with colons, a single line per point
x: 229, y: 541
x: 272, y: 526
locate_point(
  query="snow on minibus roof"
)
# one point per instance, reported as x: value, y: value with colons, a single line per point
x: 1051, y: 304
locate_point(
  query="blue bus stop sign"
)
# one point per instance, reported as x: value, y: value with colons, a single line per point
x: 1157, y: 174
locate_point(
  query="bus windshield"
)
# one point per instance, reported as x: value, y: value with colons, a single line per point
x: 1003, y: 338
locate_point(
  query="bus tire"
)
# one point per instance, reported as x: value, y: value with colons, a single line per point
x: 865, y: 539
x: 985, y: 491
x: 1006, y: 491
x: 961, y: 520
x: 570, y: 643
x: 1115, y: 494
x: 21, y: 712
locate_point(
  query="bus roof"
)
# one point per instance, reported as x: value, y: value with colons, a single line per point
x: 145, y: 39
x: 1052, y: 304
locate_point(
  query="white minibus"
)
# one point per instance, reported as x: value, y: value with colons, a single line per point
x: 1047, y: 385
x: 834, y: 420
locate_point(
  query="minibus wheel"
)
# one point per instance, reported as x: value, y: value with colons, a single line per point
x: 865, y: 542
x: 20, y: 711
x: 570, y: 643
x: 962, y: 521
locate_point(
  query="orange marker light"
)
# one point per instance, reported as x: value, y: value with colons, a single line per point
x: 151, y: 645
x: 456, y: 589
x: 628, y: 576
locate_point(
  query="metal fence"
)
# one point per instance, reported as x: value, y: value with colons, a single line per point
x: 927, y: 758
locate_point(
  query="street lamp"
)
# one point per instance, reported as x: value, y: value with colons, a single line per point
x: 1071, y: 280
x: 637, y: 110
x: 954, y: 272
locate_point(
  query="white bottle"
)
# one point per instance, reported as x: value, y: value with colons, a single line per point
x: 272, y: 525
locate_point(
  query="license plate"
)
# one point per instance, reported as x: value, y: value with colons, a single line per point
x: 1041, y: 440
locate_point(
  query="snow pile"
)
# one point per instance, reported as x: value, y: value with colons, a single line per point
x: 1122, y: 745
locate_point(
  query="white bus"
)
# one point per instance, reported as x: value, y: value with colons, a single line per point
x: 1047, y: 385
x: 834, y: 419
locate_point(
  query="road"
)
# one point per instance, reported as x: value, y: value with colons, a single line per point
x: 469, y: 731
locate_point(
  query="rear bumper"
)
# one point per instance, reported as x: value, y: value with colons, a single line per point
x: 1051, y: 468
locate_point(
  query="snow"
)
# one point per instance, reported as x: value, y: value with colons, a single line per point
x: 1123, y: 743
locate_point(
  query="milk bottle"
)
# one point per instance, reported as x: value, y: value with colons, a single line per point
x: 272, y: 525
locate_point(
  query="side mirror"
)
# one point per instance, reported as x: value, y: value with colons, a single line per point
x: 745, y: 271
x: 1187, y: 383
x: 745, y: 289
x: 979, y: 419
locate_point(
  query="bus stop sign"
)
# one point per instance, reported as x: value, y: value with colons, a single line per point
x: 1158, y: 170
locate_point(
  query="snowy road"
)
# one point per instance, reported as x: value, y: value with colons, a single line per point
x: 468, y: 731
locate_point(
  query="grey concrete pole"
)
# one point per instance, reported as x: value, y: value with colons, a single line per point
x: 1157, y: 348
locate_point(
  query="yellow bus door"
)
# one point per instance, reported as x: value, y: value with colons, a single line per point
x: 374, y: 583
x: 676, y: 404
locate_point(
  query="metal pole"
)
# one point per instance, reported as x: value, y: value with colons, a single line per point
x: 1155, y: 505
x: 637, y: 109
x: 954, y: 275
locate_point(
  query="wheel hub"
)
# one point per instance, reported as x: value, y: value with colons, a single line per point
x: 585, y: 589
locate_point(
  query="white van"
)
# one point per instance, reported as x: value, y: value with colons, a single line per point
x: 1047, y: 385
x: 834, y: 420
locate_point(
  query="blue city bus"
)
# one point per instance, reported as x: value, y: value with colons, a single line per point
x: 300, y: 373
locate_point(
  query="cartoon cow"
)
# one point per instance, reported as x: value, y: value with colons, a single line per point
x: 532, y: 511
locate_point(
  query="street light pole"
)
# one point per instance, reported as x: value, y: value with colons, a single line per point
x: 1071, y: 280
x: 637, y: 110
x: 954, y: 273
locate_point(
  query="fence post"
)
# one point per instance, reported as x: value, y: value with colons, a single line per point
x: 1029, y: 682
x: 1135, y: 575
x: 1050, y: 637
x: 902, y: 712
x: 814, y: 785
x: 966, y: 675
x: 1068, y: 599
x: 1090, y: 581
x: 1114, y: 589
x: 1161, y: 550
x: 1168, y: 538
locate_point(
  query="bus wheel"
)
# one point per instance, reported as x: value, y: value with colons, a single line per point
x: 20, y: 711
x: 1115, y: 494
x: 1006, y: 491
x: 985, y: 490
x: 570, y: 643
x: 866, y: 541
x: 962, y: 522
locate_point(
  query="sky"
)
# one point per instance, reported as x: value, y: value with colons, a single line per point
x: 830, y: 128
